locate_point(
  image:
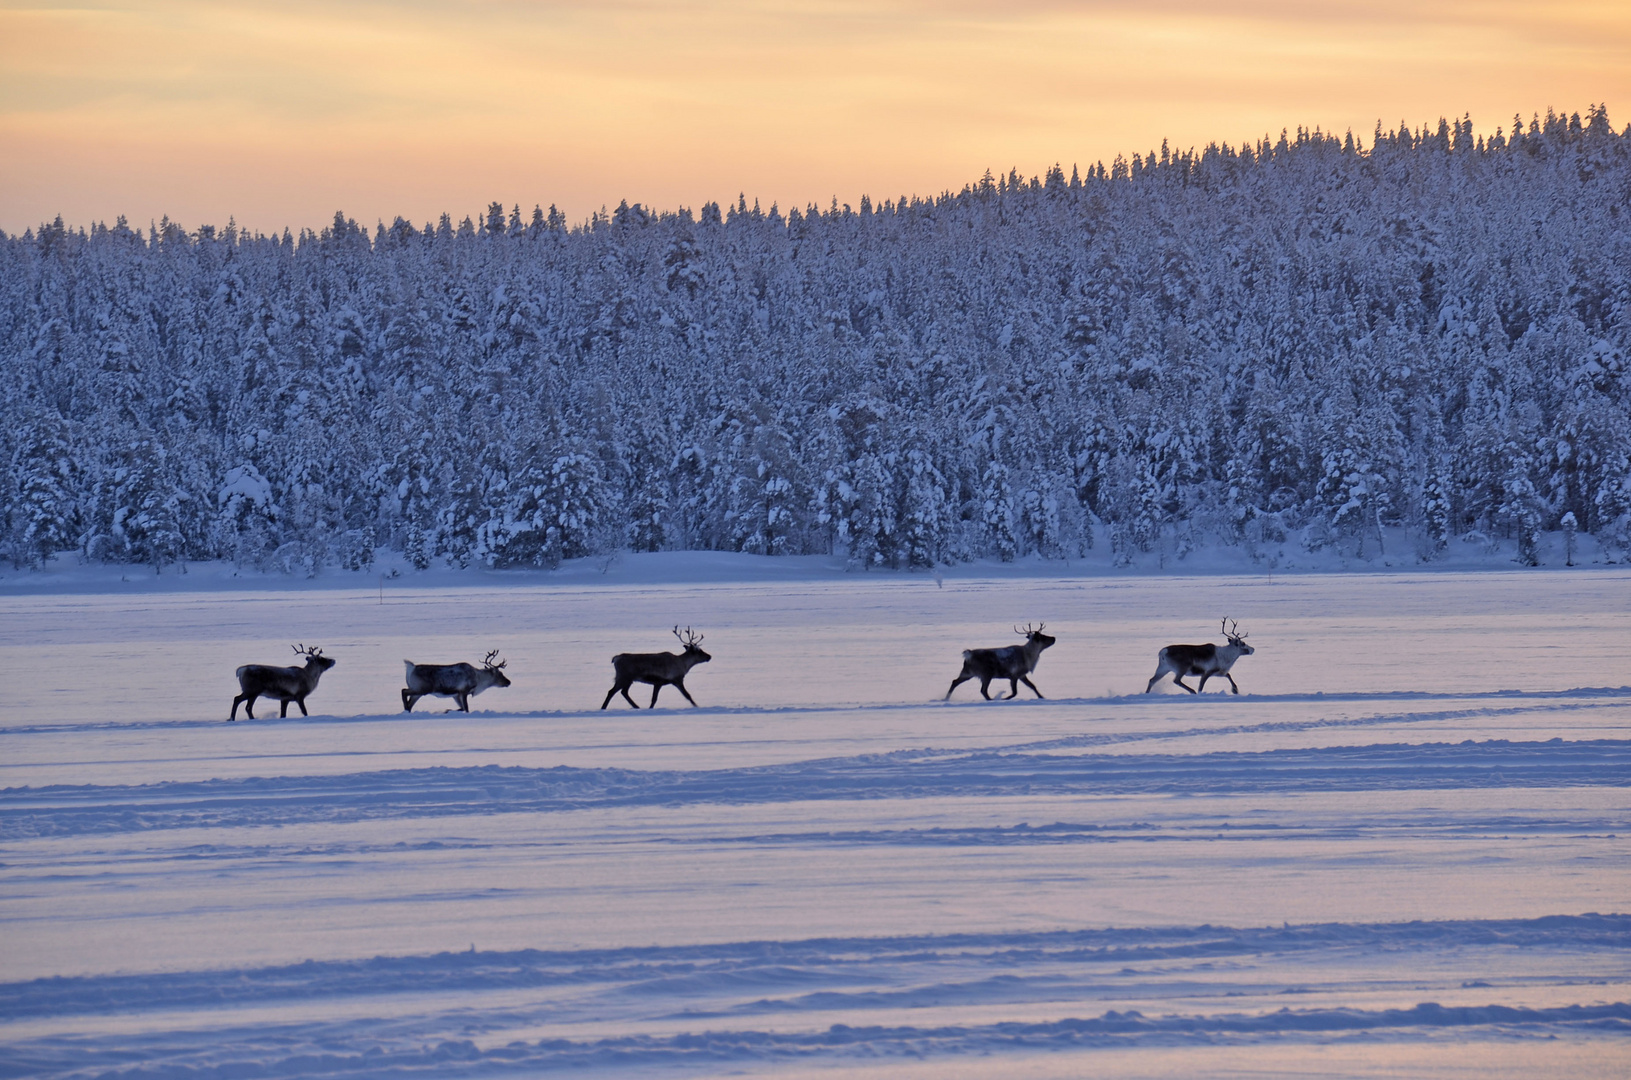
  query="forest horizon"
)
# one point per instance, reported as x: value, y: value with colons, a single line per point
x: 552, y: 216
x: 277, y: 113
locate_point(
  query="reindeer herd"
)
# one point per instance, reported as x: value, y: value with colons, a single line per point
x: 461, y: 682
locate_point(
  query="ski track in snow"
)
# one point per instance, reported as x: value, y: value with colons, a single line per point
x: 1418, y: 857
x: 490, y: 789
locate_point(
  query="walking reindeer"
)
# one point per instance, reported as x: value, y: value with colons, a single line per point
x: 1203, y: 660
x: 658, y: 669
x: 461, y: 682
x: 1012, y: 662
x: 284, y: 684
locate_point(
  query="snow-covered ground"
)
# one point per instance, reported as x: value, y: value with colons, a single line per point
x: 1404, y: 849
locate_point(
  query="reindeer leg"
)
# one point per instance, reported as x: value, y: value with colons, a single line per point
x: 955, y: 683
x: 1232, y: 687
x: 407, y: 700
x: 249, y: 706
x: 1162, y: 666
x: 234, y: 714
x: 656, y: 688
x: 985, y: 685
x: 628, y: 699
x: 1013, y: 688
x: 681, y: 686
x: 464, y: 702
x: 1204, y: 676
x: 1179, y: 679
x: 1031, y: 684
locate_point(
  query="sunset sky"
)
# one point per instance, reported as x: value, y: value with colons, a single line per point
x: 279, y: 113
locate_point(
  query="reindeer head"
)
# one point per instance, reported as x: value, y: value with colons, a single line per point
x: 314, y: 656
x: 1231, y: 630
x: 693, y: 645
x: 495, y: 669
x: 1036, y: 636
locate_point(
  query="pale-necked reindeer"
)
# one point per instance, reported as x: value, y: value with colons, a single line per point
x: 1203, y: 660
x: 461, y: 682
x: 285, y: 684
x: 1012, y: 662
x: 658, y: 669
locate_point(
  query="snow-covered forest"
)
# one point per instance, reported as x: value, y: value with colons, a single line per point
x: 1310, y: 338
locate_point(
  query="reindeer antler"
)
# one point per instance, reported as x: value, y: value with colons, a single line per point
x: 314, y: 650
x: 488, y: 661
x: 688, y: 639
x: 1027, y: 632
x: 1231, y: 630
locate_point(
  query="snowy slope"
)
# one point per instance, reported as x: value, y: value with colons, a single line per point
x: 1404, y: 849
x: 1290, y: 346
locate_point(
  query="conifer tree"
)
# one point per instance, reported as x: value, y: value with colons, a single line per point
x: 43, y: 514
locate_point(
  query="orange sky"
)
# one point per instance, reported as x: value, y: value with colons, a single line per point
x: 280, y: 112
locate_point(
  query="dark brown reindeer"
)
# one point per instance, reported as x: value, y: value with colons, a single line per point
x: 461, y: 682
x: 1013, y: 662
x: 285, y: 684
x: 658, y: 669
x: 1203, y: 660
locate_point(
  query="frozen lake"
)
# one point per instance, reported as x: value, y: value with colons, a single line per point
x: 1404, y: 849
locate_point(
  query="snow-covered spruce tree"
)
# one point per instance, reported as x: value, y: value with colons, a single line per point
x: 1521, y: 508
x: 470, y: 523
x: 762, y: 503
x: 928, y: 520
x: 857, y: 502
x: 998, y: 514
x: 139, y: 508
x: 1612, y: 511
x: 521, y: 529
x: 1437, y: 512
x: 1039, y: 522
x: 762, y: 512
x: 575, y: 494
x: 646, y: 499
x: 859, y: 499
x: 548, y: 508
x: 43, y: 516
x: 248, y: 516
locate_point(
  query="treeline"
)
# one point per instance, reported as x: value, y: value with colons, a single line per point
x: 1307, y: 337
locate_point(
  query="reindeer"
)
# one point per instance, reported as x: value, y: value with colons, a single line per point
x: 1203, y: 660
x: 286, y: 684
x: 658, y: 669
x: 461, y: 682
x: 1013, y: 662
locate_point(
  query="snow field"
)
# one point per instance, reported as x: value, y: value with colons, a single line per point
x: 1421, y: 797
